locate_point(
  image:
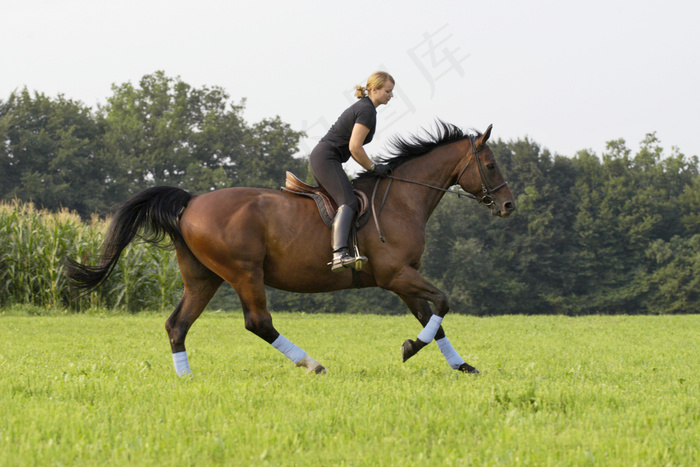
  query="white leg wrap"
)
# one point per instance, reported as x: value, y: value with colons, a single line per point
x: 428, y: 333
x: 290, y: 350
x: 451, y: 355
x: 182, y: 365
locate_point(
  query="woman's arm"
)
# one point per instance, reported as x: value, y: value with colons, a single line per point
x: 357, y: 138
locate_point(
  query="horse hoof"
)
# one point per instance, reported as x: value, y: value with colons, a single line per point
x: 319, y: 370
x: 467, y: 368
x: 407, y: 349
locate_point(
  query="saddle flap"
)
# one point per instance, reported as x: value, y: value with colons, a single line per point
x: 326, y: 204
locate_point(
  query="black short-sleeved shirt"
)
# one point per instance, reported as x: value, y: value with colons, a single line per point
x: 362, y: 112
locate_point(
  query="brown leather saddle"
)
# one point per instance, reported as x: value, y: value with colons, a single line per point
x: 326, y: 206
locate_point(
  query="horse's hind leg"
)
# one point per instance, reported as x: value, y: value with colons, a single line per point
x: 248, y: 283
x: 200, y: 286
x: 422, y: 311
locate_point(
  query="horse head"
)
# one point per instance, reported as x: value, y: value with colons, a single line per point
x: 482, y: 178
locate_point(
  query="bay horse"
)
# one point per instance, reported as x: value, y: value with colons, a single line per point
x: 252, y: 237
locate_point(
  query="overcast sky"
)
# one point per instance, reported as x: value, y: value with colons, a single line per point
x: 570, y: 75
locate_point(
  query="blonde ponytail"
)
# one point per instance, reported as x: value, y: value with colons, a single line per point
x: 377, y: 80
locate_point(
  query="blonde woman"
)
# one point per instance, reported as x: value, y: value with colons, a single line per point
x: 354, y: 128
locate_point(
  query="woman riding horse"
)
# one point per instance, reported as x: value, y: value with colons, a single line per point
x: 255, y: 237
x: 354, y: 128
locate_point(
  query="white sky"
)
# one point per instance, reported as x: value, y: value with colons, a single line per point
x: 570, y: 75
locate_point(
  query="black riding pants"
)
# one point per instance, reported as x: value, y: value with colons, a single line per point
x: 327, y: 167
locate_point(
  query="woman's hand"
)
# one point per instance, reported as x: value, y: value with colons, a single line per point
x: 382, y: 170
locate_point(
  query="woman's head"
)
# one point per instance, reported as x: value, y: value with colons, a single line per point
x: 376, y: 81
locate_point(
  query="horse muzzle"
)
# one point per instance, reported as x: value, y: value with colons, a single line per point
x: 503, y: 209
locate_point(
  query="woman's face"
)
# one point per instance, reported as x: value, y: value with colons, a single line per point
x: 382, y: 95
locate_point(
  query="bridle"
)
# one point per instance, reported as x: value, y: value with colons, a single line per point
x: 486, y: 189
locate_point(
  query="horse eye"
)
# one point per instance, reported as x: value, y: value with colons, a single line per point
x: 490, y: 166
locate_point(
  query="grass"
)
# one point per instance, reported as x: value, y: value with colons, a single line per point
x: 101, y: 389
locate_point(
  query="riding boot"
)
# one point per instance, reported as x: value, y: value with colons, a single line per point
x: 340, y: 237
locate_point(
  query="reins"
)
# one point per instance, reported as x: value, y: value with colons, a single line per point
x: 487, y: 199
x: 375, y: 214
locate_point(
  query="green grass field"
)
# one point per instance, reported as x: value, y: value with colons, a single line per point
x: 101, y: 389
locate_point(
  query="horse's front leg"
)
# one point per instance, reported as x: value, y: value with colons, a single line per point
x: 421, y: 310
x: 416, y: 292
x: 423, y: 313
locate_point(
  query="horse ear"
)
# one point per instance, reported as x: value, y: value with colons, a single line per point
x: 485, y: 137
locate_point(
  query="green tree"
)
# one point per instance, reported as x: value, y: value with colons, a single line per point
x: 673, y: 285
x: 165, y: 132
x: 49, y: 153
x: 268, y: 153
x: 689, y: 204
x: 160, y: 134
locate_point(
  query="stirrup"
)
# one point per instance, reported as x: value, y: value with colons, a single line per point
x: 343, y: 260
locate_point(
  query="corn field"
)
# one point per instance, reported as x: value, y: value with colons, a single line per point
x: 35, y: 242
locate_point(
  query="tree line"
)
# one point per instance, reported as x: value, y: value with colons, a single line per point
x: 61, y: 153
x: 617, y: 232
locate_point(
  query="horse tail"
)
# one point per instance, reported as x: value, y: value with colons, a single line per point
x: 151, y: 215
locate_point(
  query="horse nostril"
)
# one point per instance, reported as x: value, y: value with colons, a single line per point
x: 509, y: 206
